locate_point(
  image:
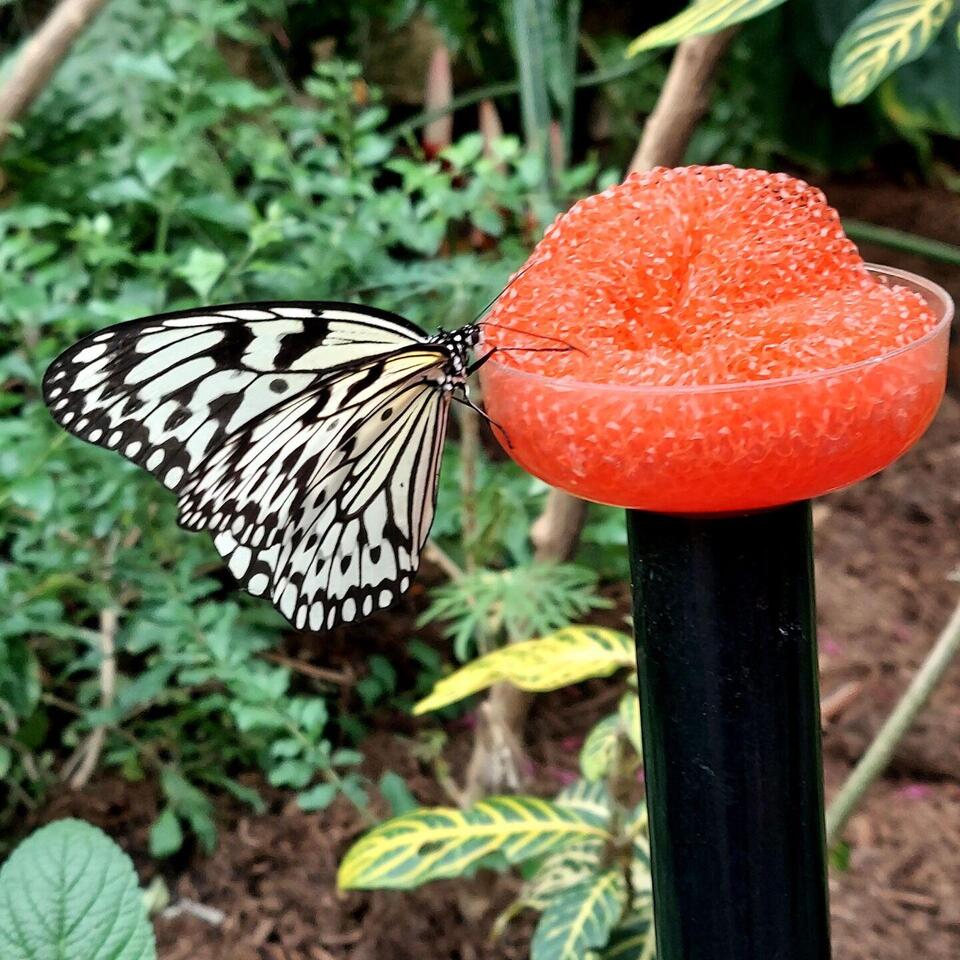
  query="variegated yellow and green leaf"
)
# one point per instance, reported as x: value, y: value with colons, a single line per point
x: 630, y: 719
x: 555, y: 875
x: 547, y: 663
x: 886, y: 35
x: 641, y: 881
x: 441, y: 842
x: 591, y: 801
x: 702, y: 16
x: 580, y: 919
x: 600, y: 747
x: 632, y: 939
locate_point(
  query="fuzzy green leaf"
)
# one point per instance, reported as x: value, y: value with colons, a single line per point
x: 69, y: 892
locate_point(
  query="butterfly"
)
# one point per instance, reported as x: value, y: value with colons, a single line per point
x: 304, y: 436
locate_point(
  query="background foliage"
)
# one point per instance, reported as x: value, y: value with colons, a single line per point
x: 209, y: 151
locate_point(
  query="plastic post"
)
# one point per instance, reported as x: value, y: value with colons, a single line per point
x: 729, y: 696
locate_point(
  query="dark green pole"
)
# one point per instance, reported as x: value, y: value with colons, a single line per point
x: 726, y: 650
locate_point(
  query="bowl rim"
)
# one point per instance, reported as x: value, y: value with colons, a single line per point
x: 936, y: 297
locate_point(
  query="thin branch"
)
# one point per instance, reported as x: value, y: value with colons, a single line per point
x: 438, y: 556
x: 108, y: 682
x: 343, y: 678
x: 682, y: 103
x: 508, y: 88
x: 40, y: 57
x: 880, y: 752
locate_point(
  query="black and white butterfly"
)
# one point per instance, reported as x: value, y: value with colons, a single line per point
x: 305, y: 436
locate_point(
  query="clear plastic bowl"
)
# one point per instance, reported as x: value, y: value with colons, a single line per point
x: 728, y: 447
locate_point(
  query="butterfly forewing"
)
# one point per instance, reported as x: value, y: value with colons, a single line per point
x: 167, y: 390
x: 304, y: 436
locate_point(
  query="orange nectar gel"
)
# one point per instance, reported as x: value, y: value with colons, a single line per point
x: 733, y: 351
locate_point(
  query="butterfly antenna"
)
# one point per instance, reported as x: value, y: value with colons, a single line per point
x: 510, y: 283
x: 478, y: 319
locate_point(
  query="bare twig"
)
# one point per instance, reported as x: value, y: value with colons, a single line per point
x: 836, y: 703
x: 40, y: 57
x: 191, y: 908
x: 438, y: 133
x: 438, y: 556
x: 93, y: 745
x: 683, y: 101
x: 343, y: 678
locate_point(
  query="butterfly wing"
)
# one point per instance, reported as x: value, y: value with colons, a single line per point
x: 347, y: 536
x: 165, y: 391
x: 306, y: 437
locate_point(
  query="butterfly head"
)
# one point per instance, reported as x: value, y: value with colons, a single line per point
x: 457, y: 345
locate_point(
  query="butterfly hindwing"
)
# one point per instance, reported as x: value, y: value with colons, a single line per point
x: 305, y: 437
x: 353, y: 543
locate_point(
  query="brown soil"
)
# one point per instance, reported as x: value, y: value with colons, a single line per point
x: 888, y: 557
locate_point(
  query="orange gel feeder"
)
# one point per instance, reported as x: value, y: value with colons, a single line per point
x: 732, y: 349
x: 732, y: 356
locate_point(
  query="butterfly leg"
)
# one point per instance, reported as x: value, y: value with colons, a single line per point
x: 467, y: 402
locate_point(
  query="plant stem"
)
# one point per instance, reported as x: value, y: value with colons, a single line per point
x: 879, y: 753
x: 901, y: 240
x: 510, y: 88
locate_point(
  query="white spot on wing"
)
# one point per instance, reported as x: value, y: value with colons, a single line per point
x: 89, y: 354
x: 240, y: 561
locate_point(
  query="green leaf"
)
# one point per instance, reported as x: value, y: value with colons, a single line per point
x: 150, y: 66
x: 317, y: 798
x: 702, y: 16
x: 636, y: 828
x: 438, y: 842
x: 394, y: 789
x: 155, y: 162
x: 629, y: 940
x: 559, y: 872
x: 580, y: 919
x: 36, y: 492
x: 599, y: 748
x: 203, y: 269
x: 557, y: 660
x: 68, y: 891
x: 887, y: 34
x: 19, y: 676
x: 239, y: 94
x: 629, y: 711
x: 914, y: 99
x: 166, y: 835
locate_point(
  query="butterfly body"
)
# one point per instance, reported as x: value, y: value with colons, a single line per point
x: 305, y: 437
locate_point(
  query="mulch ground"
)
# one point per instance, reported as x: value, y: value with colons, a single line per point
x: 888, y: 558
